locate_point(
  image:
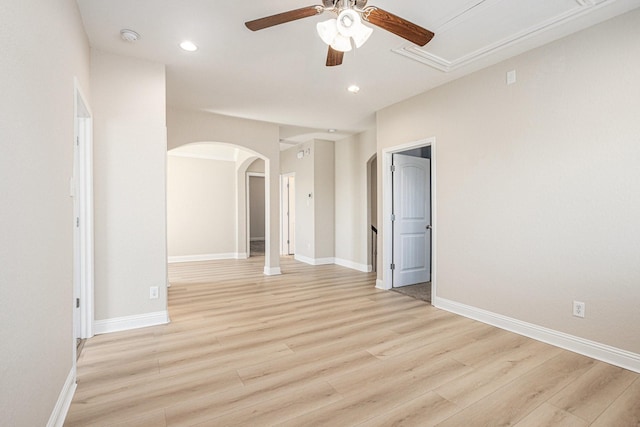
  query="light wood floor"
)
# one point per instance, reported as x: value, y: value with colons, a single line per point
x: 321, y: 346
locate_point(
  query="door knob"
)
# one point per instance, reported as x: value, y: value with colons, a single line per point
x: 428, y: 227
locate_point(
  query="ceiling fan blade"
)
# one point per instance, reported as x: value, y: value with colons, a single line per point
x: 398, y: 26
x: 281, y: 18
x: 334, y: 57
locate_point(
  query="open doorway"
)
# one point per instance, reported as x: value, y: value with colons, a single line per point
x: 209, y: 202
x: 372, y: 212
x: 256, y: 213
x: 408, y: 207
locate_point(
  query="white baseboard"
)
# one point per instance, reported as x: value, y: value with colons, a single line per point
x: 130, y: 322
x: 353, y: 265
x: 314, y: 261
x: 595, y: 350
x: 205, y: 257
x: 380, y: 285
x: 272, y: 271
x: 64, y: 401
x: 257, y: 239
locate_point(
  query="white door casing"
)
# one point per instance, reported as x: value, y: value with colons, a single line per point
x: 412, y: 220
x: 292, y: 215
x: 287, y: 212
x: 82, y: 192
x: 248, y: 207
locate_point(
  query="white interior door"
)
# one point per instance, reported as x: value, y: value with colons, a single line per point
x: 412, y: 220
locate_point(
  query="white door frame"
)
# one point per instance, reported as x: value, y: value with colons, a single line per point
x: 82, y: 183
x: 387, y: 209
x: 248, y: 204
x: 406, y: 187
x: 284, y: 220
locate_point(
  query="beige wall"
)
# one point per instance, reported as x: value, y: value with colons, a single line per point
x: 257, y: 203
x: 324, y: 198
x: 256, y: 207
x: 304, y: 185
x: 201, y: 207
x: 256, y: 166
x: 538, y: 195
x: 39, y: 58
x: 314, y: 193
x: 129, y: 183
x: 352, y: 226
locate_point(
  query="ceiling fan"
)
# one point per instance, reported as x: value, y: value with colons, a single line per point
x: 339, y: 32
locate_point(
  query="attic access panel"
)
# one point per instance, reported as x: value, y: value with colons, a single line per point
x: 481, y: 28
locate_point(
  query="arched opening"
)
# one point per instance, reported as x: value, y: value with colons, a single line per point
x: 372, y: 212
x: 207, y: 201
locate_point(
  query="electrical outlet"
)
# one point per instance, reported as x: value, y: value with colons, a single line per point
x: 153, y: 292
x: 578, y: 309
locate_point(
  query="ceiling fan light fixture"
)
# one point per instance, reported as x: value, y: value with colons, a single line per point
x: 327, y: 30
x: 362, y: 34
x: 341, y: 43
x: 348, y: 22
x: 337, y: 33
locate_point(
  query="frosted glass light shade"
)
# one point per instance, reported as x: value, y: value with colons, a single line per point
x: 338, y: 33
x: 327, y: 30
x: 341, y: 43
x: 362, y: 34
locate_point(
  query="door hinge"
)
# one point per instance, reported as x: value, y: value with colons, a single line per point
x: 393, y: 266
x: 78, y: 141
x: 393, y: 168
x: 393, y: 217
x: 77, y: 302
x: 77, y: 221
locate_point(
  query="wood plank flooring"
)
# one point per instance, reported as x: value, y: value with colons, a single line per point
x: 321, y: 346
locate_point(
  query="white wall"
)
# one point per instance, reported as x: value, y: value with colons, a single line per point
x: 201, y: 208
x: 129, y: 181
x: 538, y: 196
x: 39, y: 58
x: 352, y: 226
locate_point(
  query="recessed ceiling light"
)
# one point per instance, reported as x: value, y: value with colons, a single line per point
x: 353, y: 89
x: 332, y: 131
x: 189, y: 46
x: 129, y: 36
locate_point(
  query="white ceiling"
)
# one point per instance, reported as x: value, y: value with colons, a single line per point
x: 278, y: 74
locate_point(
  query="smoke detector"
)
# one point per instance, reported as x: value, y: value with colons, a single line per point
x: 129, y: 36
